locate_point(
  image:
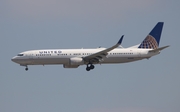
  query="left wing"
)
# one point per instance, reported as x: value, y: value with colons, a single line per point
x: 96, y: 57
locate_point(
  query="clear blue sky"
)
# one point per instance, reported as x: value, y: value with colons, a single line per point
x: 145, y: 86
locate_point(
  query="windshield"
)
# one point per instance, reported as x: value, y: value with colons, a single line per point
x: 20, y: 54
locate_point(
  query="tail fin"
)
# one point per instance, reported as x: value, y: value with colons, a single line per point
x: 153, y: 39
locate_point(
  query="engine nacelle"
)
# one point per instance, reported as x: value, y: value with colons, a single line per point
x: 70, y: 66
x: 76, y: 61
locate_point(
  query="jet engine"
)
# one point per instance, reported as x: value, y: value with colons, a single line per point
x: 76, y: 61
x: 70, y: 66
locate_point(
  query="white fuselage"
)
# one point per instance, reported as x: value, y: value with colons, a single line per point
x: 62, y: 56
x: 73, y: 58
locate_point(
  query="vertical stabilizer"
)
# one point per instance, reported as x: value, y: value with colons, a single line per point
x: 153, y: 38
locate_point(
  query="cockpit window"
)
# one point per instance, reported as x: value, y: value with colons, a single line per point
x: 20, y: 54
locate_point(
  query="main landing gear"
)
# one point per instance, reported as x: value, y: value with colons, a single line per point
x: 88, y: 68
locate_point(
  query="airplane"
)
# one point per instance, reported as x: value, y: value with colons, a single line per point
x: 73, y: 58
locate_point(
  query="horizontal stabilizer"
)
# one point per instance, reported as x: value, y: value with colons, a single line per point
x: 158, y: 49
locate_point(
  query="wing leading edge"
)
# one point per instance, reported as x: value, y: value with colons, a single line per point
x: 96, y: 57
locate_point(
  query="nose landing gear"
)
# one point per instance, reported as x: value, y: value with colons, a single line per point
x: 26, y: 68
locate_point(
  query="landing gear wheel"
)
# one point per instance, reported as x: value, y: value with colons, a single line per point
x: 92, y: 67
x: 88, y: 68
x: 26, y: 68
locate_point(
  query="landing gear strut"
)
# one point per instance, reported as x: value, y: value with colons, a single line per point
x: 88, y: 68
x: 26, y: 68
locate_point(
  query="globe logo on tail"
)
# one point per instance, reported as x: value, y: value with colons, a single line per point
x: 149, y: 43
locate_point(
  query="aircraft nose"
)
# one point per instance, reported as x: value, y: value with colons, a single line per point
x: 14, y: 59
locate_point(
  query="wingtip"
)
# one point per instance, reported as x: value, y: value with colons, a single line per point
x: 168, y: 46
x: 120, y: 40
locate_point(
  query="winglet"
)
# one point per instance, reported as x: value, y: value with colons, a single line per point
x: 120, y: 40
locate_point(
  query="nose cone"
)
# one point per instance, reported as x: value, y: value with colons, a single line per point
x: 14, y: 59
